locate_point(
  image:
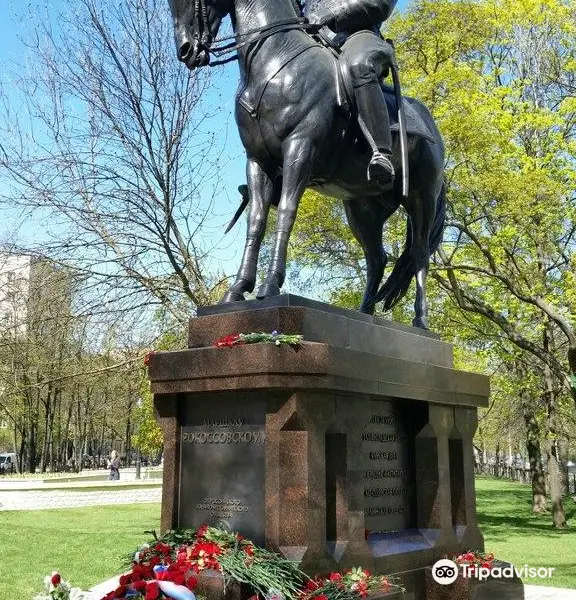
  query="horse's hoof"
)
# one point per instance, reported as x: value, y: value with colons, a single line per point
x: 420, y: 322
x: 231, y: 297
x: 367, y: 307
x: 267, y: 289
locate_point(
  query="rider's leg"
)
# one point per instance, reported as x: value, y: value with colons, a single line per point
x: 366, y: 57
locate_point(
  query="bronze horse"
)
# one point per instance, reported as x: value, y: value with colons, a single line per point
x: 299, y: 131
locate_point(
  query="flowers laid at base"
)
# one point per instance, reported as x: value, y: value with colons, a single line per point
x: 474, y: 558
x: 238, y: 339
x: 58, y: 589
x: 170, y: 568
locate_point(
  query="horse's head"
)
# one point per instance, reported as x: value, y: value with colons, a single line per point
x: 196, y: 24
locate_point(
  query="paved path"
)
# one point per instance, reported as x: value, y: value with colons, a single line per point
x: 538, y: 592
x: 75, y: 497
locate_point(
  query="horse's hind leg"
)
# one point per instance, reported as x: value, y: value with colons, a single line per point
x: 421, y: 209
x: 261, y: 188
x: 366, y: 217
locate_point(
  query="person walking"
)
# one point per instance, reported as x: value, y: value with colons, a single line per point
x: 114, y: 466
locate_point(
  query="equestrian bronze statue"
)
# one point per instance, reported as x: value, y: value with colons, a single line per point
x: 312, y: 112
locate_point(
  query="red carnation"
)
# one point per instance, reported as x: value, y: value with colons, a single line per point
x: 55, y: 579
x: 362, y: 588
x: 321, y: 597
x: 228, y: 341
x: 335, y: 576
x: 152, y: 591
x: 312, y: 585
x: 120, y: 591
x: 139, y: 586
x: 191, y: 583
x: 201, y: 531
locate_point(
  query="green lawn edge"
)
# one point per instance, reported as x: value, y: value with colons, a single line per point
x: 517, y: 536
x: 88, y: 545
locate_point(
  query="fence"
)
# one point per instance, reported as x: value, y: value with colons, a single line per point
x: 520, y: 474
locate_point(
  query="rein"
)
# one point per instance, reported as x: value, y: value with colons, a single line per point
x: 217, y: 49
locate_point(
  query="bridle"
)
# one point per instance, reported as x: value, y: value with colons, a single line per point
x: 219, y: 48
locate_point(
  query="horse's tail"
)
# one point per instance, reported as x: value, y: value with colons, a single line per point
x: 404, y: 270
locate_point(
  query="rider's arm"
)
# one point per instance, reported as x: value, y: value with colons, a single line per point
x: 351, y: 15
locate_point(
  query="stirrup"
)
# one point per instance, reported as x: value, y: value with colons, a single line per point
x: 380, y: 169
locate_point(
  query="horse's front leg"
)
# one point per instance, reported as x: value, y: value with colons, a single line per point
x: 297, y: 168
x: 261, y: 190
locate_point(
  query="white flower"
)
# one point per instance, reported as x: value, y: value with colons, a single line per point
x: 77, y: 594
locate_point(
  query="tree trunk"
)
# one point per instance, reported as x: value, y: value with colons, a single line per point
x: 553, y: 463
x: 564, y: 455
x: 558, y: 515
x: 537, y: 475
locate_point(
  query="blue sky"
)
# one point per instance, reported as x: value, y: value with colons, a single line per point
x: 13, y: 33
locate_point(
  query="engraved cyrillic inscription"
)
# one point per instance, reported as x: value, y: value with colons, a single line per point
x: 385, y: 510
x: 224, y: 437
x: 222, y: 508
x: 383, y: 455
x: 384, y: 473
x: 387, y: 483
x: 381, y: 437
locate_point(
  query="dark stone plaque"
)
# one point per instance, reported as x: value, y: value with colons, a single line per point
x: 387, y: 475
x: 222, y: 465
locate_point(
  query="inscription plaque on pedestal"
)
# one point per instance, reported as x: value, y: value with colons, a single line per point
x: 222, y: 466
x: 387, y: 475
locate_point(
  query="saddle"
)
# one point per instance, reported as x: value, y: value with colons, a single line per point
x: 415, y: 126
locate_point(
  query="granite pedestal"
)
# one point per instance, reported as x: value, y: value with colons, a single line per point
x: 353, y: 449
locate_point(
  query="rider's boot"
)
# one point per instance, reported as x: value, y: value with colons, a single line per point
x: 380, y: 168
x: 375, y: 124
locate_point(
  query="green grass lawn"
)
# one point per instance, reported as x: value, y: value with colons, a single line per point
x: 515, y: 535
x: 87, y: 545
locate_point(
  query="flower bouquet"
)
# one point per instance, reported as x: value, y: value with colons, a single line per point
x: 240, y: 339
x: 175, y: 567
x: 55, y: 588
x: 351, y: 585
x: 473, y: 559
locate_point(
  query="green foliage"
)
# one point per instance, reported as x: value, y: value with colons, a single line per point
x: 148, y: 437
x: 499, y: 78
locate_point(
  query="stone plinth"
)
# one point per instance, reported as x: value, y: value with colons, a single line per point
x: 353, y: 449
